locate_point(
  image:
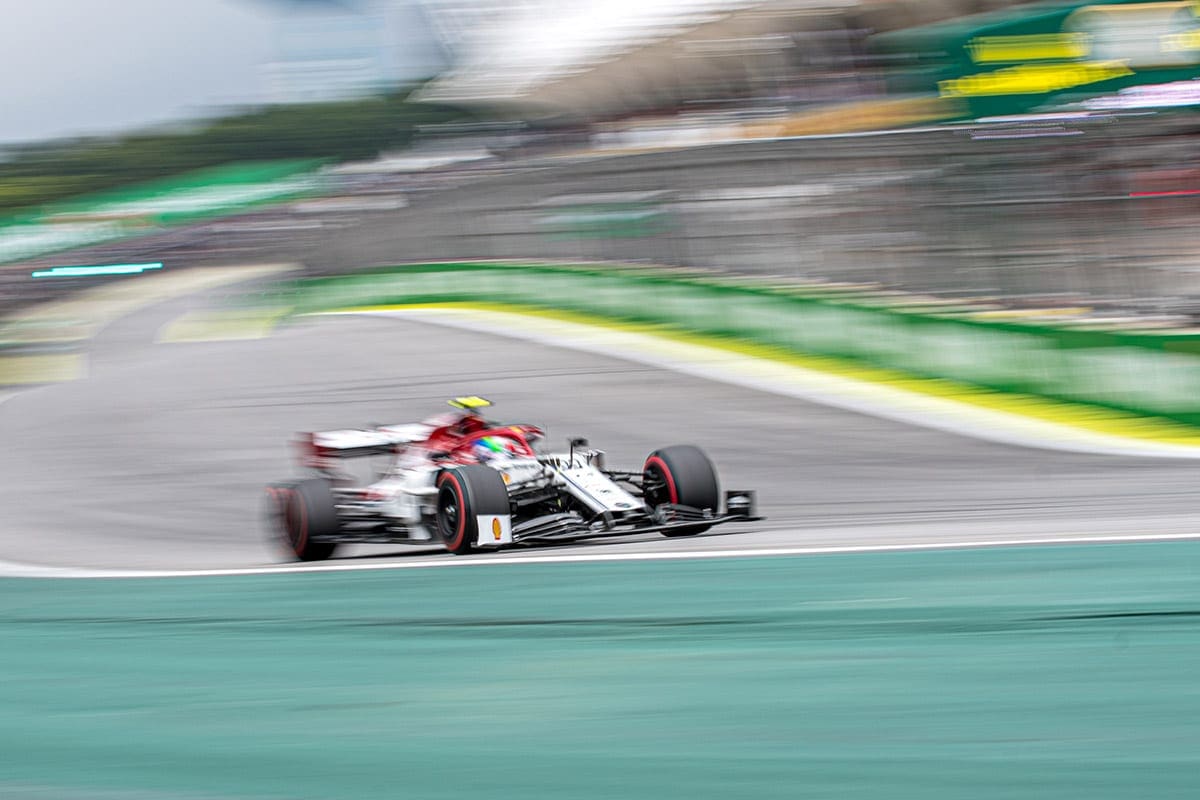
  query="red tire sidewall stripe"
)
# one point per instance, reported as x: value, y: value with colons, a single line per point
x: 672, y: 492
x: 279, y: 500
x: 298, y: 537
x: 461, y: 533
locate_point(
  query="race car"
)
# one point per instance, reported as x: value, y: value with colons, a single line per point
x: 465, y: 482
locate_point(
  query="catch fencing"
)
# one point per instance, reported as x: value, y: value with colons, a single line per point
x: 1099, y: 212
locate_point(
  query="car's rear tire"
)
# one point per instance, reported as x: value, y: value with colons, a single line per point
x: 305, y: 512
x: 464, y: 494
x: 681, y: 474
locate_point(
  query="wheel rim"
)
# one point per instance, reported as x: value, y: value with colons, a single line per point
x: 654, y: 486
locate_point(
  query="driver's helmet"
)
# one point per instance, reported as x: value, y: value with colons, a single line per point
x: 489, y: 448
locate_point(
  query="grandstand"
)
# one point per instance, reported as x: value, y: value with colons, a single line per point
x: 604, y: 59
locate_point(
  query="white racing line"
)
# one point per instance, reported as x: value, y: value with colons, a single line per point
x: 719, y: 365
x: 14, y: 570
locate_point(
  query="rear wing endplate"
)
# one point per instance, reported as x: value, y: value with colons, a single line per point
x: 317, y: 449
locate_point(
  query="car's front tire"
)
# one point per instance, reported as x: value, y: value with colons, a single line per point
x: 683, y: 475
x: 464, y: 494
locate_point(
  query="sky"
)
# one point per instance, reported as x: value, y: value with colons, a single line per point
x: 78, y: 67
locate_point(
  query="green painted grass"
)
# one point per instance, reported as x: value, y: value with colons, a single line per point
x: 1065, y: 672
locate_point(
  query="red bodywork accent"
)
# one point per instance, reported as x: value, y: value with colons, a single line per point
x: 312, y: 455
x: 451, y: 441
x: 456, y: 439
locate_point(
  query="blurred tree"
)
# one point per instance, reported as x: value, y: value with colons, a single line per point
x: 37, y: 174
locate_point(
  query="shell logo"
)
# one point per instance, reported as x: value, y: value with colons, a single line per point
x: 496, y: 528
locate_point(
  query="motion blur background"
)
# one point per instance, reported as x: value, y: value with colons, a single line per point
x: 978, y: 200
x: 1037, y: 155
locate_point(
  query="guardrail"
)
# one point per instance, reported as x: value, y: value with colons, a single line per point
x: 1147, y: 373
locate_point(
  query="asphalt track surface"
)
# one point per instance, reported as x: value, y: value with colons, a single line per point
x: 157, y: 459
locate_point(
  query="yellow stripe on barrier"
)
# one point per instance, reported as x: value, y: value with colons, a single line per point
x: 1077, y: 415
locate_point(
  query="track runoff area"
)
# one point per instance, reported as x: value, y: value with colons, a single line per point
x: 932, y: 672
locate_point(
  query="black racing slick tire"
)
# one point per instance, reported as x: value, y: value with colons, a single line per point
x: 305, y: 514
x: 681, y: 474
x: 464, y: 494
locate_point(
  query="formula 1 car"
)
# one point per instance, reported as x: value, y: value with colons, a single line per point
x: 465, y: 482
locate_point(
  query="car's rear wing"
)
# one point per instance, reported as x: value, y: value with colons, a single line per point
x: 318, y: 449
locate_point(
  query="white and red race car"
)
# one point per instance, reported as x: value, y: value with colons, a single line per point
x: 465, y: 482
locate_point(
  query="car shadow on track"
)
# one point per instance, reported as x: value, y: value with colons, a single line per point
x: 408, y: 553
